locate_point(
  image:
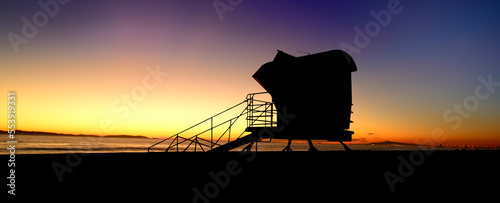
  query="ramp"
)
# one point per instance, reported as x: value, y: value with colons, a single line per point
x: 248, y: 139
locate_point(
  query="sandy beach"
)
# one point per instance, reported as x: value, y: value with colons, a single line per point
x: 257, y: 177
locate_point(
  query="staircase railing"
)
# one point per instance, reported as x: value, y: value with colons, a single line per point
x: 259, y: 114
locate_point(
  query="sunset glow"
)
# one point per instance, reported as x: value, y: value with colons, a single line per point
x: 156, y: 68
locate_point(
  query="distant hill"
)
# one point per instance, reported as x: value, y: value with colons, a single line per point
x: 387, y: 142
x: 22, y: 132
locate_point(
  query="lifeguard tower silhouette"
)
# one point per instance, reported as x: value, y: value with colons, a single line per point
x: 311, y: 100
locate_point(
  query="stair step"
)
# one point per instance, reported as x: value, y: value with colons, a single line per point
x: 260, y: 116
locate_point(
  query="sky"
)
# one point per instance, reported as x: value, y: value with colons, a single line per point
x: 154, y: 68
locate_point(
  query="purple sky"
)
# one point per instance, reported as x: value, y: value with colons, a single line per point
x: 426, y: 58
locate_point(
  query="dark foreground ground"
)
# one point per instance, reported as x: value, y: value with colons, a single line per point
x: 257, y: 177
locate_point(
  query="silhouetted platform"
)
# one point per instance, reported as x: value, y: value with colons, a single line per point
x: 341, y: 135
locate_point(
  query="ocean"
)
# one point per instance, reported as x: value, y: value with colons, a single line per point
x: 44, y: 144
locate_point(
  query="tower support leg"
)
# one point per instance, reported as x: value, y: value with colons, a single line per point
x: 311, y: 146
x: 345, y: 146
x: 287, y: 148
